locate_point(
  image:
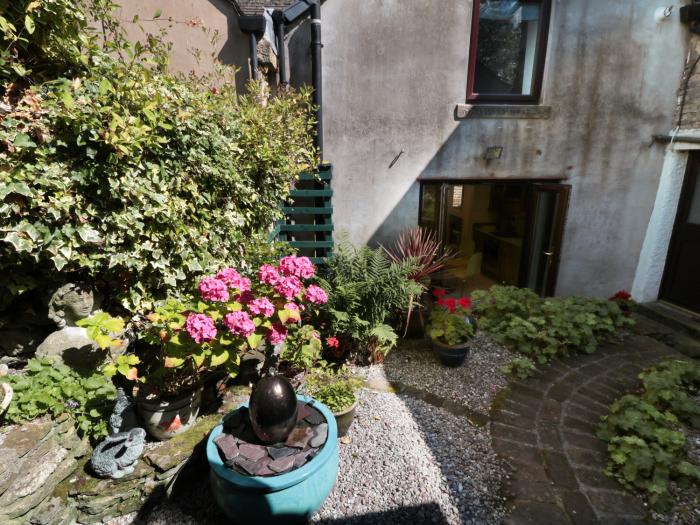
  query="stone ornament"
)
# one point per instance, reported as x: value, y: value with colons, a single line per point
x: 70, y: 343
x: 116, y: 456
x: 273, y: 409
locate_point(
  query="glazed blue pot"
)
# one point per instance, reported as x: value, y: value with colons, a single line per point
x: 288, y: 498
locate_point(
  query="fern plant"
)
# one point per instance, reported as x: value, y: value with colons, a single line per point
x: 366, y: 293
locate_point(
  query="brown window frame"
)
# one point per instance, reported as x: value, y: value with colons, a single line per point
x: 538, y: 70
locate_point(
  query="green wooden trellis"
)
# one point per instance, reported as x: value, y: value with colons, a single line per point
x: 308, y: 223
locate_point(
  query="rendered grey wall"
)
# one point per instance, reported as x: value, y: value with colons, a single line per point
x: 192, y: 26
x: 394, y: 71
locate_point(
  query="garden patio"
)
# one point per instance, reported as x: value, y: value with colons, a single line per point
x: 177, y: 346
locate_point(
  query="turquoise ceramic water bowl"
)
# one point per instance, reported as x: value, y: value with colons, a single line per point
x: 278, y: 500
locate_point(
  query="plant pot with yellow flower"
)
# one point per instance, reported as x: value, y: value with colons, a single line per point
x: 184, y: 344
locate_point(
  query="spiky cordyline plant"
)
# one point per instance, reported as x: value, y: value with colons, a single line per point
x: 421, y: 246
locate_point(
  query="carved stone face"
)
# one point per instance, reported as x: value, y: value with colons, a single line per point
x: 77, y: 304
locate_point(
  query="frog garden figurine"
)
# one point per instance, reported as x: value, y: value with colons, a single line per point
x: 116, y: 456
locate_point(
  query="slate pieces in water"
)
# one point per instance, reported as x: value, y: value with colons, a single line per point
x: 315, y: 417
x: 300, y: 437
x: 227, y: 446
x: 252, y: 452
x: 320, y: 433
x: 277, y: 452
x: 243, y: 452
x: 282, y: 464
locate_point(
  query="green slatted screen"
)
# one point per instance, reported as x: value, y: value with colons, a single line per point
x: 308, y: 225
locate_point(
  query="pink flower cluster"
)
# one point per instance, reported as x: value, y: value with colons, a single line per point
x: 288, y: 287
x: 233, y: 279
x: 200, y: 327
x: 300, y: 267
x: 213, y: 289
x: 316, y: 294
x: 268, y: 274
x: 262, y: 306
x: 277, y: 334
x: 239, y: 323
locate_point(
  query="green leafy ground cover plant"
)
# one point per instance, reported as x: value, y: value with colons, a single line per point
x: 646, y: 443
x: 542, y: 329
x: 120, y: 172
x: 367, y: 291
x: 52, y: 388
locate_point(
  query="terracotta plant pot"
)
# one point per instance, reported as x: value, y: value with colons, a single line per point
x: 345, y: 418
x: 450, y: 355
x: 168, y: 417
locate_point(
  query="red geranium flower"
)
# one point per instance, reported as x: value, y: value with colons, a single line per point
x: 622, y: 295
x: 439, y: 293
x: 465, y: 302
x: 451, y: 304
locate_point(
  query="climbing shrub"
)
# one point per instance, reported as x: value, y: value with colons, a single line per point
x: 646, y: 444
x: 542, y: 329
x: 55, y: 389
x: 129, y: 175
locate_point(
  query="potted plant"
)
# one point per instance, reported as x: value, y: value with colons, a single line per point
x: 183, y: 343
x: 421, y: 246
x: 336, y: 390
x: 450, y: 328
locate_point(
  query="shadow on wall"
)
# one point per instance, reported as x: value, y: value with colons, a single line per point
x: 235, y: 48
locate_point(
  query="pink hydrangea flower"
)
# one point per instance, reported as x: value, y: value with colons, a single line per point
x: 277, y: 334
x: 316, y: 295
x: 233, y: 279
x: 291, y: 306
x: 213, y: 289
x: 268, y: 274
x: 288, y: 287
x: 200, y: 327
x: 263, y: 306
x: 239, y: 323
x: 301, y: 267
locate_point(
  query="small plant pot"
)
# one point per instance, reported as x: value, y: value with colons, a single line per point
x: 345, y: 418
x: 285, y: 499
x: 168, y: 417
x: 450, y: 355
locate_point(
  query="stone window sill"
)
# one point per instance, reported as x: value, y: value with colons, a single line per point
x: 501, y: 111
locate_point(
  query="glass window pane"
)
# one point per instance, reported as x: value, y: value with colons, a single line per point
x: 506, y: 46
x: 694, y: 212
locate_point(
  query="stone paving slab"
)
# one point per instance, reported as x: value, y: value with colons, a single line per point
x: 545, y: 428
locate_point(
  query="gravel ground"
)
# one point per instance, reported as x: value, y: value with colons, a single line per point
x: 474, y: 384
x: 407, y: 463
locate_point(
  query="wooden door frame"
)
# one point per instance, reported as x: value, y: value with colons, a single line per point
x: 691, y: 178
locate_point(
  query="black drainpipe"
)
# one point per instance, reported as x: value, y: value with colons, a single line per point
x: 252, y: 25
x: 316, y: 73
x: 278, y: 19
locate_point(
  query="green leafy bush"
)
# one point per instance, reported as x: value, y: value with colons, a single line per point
x: 134, y: 177
x: 646, y: 445
x: 545, y: 328
x: 521, y: 367
x: 335, y: 389
x: 55, y: 389
x: 367, y: 291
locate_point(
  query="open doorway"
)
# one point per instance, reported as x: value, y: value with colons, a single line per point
x: 501, y: 232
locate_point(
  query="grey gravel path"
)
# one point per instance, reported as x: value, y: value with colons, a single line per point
x: 474, y: 384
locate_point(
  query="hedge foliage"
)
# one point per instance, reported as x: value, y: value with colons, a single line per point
x: 117, y: 170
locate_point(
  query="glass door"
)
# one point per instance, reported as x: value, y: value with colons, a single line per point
x: 548, y: 205
x: 681, y: 281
